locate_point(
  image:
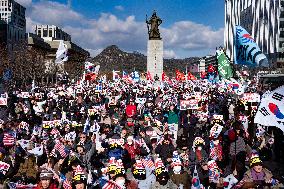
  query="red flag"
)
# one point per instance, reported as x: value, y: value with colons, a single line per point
x: 211, y: 69
x: 180, y: 76
x: 190, y: 76
x: 165, y: 77
x: 203, y: 75
x: 149, y: 77
x: 90, y: 76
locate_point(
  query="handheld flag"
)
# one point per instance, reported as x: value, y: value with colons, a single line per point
x: 124, y: 75
x: 247, y: 51
x: 190, y: 76
x: 271, y: 109
x: 224, y: 67
x: 61, y: 54
x: 149, y: 77
x: 89, y: 67
x: 115, y: 75
x: 195, y: 181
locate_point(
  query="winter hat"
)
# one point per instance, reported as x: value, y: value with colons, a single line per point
x: 112, y: 165
x: 162, y: 175
x: 159, y: 167
x: 215, y: 131
x: 46, y: 175
x: 254, y: 159
x: 79, y: 174
x: 139, y: 171
x: 212, y: 165
x: 130, y: 138
x: 119, y: 168
x: 198, y: 141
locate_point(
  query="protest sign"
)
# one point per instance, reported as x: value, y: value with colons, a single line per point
x: 25, y: 94
x: 4, y: 167
x: 189, y: 104
x: 91, y: 112
x: 251, y: 97
x: 218, y: 117
x: 3, y: 99
x: 140, y: 100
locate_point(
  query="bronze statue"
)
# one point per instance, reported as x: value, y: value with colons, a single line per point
x: 154, y: 22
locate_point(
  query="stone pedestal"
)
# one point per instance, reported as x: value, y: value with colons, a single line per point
x: 155, y: 58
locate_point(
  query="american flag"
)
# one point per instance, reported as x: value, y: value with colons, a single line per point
x: 147, y: 162
x: 8, y: 139
x: 67, y: 184
x: 109, y: 185
x: 61, y: 149
x: 54, y: 131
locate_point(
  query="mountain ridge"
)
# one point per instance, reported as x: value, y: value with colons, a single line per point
x: 113, y: 58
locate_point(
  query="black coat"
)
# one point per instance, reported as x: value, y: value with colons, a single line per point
x: 165, y: 151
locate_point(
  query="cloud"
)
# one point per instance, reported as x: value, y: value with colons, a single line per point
x: 169, y: 54
x: 94, y: 52
x: 188, y: 35
x: 181, y: 39
x: 119, y: 7
x: 54, y: 13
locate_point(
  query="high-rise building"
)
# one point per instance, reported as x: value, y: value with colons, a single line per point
x: 13, y: 23
x: 263, y: 19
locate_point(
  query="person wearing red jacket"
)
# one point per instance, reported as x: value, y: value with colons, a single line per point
x: 46, y: 180
x: 132, y: 147
x: 131, y: 109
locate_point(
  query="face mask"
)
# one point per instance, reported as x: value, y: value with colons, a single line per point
x: 177, y: 169
x: 120, y: 183
x: 163, y: 181
x: 216, y: 142
x: 199, y: 148
x: 129, y: 142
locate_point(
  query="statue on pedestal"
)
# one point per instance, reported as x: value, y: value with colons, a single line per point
x: 154, y: 22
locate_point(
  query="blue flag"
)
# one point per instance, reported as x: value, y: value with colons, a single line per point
x: 247, y: 51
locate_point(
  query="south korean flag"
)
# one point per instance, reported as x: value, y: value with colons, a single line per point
x: 271, y: 109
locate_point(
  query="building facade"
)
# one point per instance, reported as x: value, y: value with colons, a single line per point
x: 263, y: 19
x: 13, y: 23
x: 51, y: 32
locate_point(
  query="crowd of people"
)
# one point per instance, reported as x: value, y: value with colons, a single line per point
x: 146, y: 135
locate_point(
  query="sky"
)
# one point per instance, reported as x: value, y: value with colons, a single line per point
x: 190, y: 27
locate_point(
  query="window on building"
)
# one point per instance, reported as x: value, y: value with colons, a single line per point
x: 39, y: 33
x: 44, y: 33
x: 50, y: 33
x: 281, y: 24
x: 282, y: 34
x: 282, y: 4
x: 281, y: 44
x: 282, y: 14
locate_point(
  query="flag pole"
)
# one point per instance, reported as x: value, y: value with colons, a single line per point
x: 186, y: 73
